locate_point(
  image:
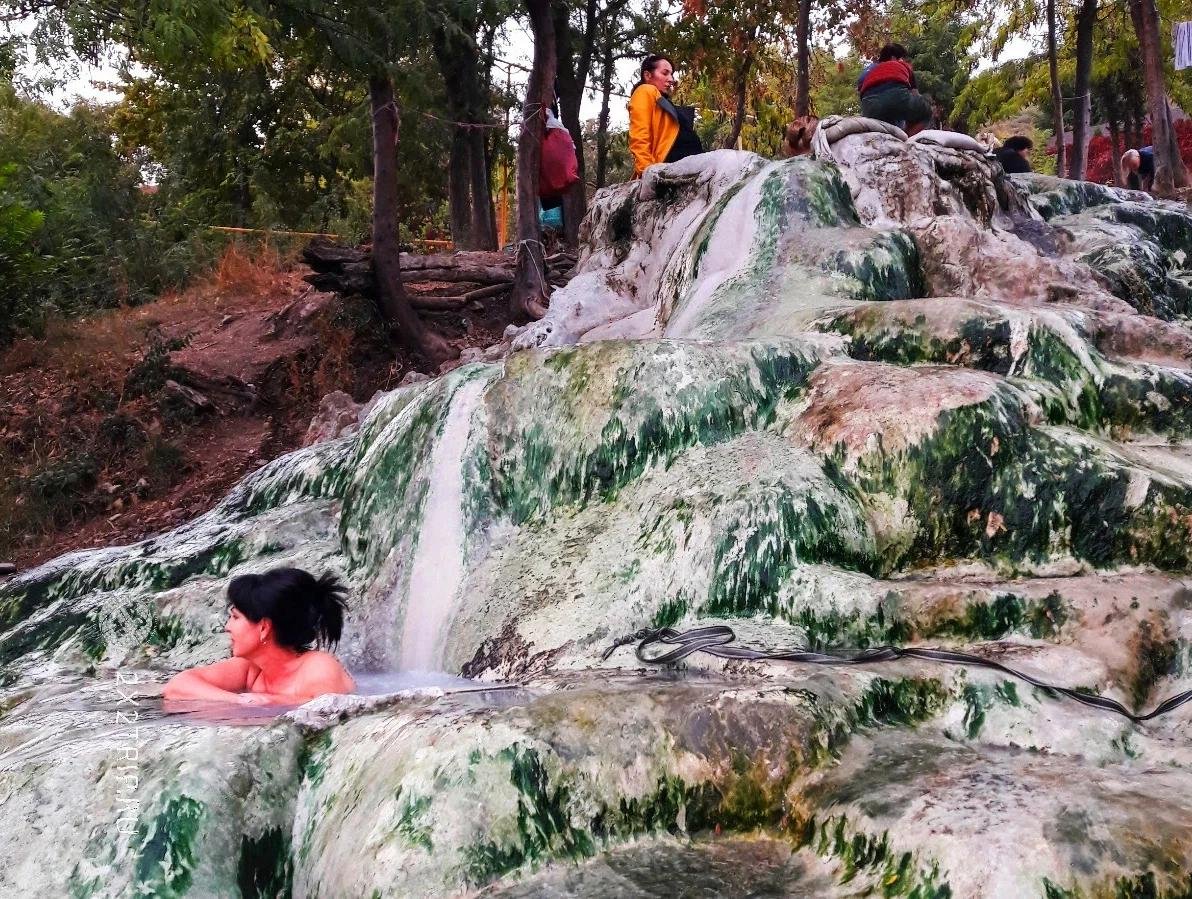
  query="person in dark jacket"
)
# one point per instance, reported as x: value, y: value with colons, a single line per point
x: 1139, y: 168
x: 889, y: 92
x: 1014, y: 155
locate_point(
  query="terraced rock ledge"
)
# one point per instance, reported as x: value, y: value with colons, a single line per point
x: 885, y: 396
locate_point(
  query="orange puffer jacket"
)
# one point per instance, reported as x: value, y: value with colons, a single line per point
x: 652, y: 130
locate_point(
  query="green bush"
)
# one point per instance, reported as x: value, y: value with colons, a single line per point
x: 55, y: 495
x: 166, y: 462
x: 78, y: 229
x: 18, y: 262
x: 150, y: 374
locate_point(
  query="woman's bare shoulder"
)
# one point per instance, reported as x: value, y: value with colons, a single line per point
x: 325, y: 669
x: 320, y: 658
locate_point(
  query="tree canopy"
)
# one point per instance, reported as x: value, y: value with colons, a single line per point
x: 261, y: 113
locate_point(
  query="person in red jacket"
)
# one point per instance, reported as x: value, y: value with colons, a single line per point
x: 889, y: 92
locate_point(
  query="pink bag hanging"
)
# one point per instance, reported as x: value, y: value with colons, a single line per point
x: 559, y: 169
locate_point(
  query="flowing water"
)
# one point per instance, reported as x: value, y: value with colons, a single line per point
x: 438, y: 568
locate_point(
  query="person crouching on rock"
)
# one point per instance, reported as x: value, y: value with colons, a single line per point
x: 1139, y: 168
x: 274, y: 619
x: 889, y: 92
x: 659, y: 131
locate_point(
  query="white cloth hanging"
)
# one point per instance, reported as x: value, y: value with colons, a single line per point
x: 1181, y: 40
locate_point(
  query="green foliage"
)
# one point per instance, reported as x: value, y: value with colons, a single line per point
x: 724, y: 46
x: 18, y: 224
x: 285, y: 145
x: 18, y: 261
x: 149, y: 375
x: 991, y: 95
x: 834, y: 84
x: 166, y: 463
x: 55, y: 494
x: 91, y: 237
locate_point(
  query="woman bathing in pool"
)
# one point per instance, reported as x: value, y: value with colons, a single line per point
x: 273, y: 620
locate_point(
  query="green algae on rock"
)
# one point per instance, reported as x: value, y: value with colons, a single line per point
x: 882, y: 397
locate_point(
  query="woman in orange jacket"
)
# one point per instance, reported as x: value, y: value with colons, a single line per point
x: 659, y: 131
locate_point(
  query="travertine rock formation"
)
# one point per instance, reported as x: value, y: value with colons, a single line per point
x: 887, y: 396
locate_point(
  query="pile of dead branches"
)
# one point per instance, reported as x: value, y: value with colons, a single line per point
x: 440, y: 282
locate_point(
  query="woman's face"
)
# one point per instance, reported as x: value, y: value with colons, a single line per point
x: 662, y: 77
x: 245, y: 634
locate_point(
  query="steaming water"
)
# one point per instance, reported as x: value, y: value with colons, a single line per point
x: 378, y: 684
x: 438, y: 567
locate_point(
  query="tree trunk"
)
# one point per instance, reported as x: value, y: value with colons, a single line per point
x: 530, y: 288
x: 572, y: 74
x: 1057, y: 95
x: 1170, y: 172
x: 484, y: 223
x: 1086, y: 19
x: 803, y: 60
x: 606, y: 89
x: 458, y: 55
x: 488, y: 141
x: 1115, y: 148
x: 394, y: 303
x: 741, y: 90
x: 459, y: 175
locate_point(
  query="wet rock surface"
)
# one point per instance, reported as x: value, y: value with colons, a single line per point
x: 889, y: 396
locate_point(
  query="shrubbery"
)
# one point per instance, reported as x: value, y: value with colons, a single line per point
x: 78, y: 229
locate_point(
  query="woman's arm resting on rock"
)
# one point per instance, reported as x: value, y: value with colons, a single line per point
x: 220, y: 681
x: 322, y: 674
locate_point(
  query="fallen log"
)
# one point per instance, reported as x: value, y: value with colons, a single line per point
x: 451, y: 303
x: 226, y: 388
x: 355, y: 283
x: 326, y: 255
x: 436, y: 304
x: 418, y: 262
x: 483, y: 293
x: 478, y: 274
x: 348, y: 270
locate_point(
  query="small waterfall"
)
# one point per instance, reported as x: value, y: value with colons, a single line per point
x: 438, y: 568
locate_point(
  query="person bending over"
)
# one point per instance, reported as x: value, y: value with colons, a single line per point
x: 889, y: 92
x: 1139, y: 168
x: 274, y: 619
x: 796, y: 141
x: 659, y: 131
x: 1014, y: 155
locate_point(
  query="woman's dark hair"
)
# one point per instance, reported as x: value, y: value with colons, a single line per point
x: 1018, y: 143
x: 304, y: 609
x: 892, y: 51
x: 650, y: 63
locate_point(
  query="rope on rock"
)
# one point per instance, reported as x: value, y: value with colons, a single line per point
x: 715, y: 639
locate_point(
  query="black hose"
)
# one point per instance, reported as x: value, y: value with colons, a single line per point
x: 715, y: 639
